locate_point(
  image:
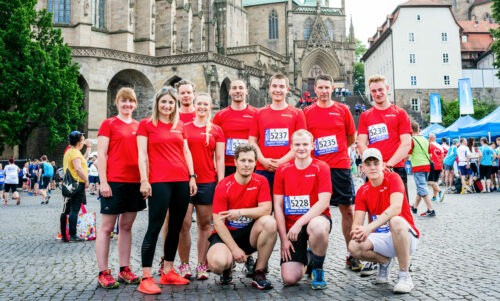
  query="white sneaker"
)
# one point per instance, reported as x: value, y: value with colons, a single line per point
x: 384, y: 272
x: 405, y: 284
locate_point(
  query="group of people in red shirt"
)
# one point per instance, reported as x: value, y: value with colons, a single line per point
x: 242, y: 166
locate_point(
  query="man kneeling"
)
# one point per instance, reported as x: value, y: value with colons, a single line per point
x: 302, y: 192
x: 391, y: 231
x: 242, y: 221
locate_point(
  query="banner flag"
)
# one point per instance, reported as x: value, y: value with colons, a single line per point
x: 435, y: 105
x: 465, y: 97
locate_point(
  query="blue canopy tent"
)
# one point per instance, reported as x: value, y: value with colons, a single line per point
x: 488, y: 126
x: 434, y: 128
x: 453, y: 130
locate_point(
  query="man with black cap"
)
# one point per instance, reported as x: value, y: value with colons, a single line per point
x: 391, y: 231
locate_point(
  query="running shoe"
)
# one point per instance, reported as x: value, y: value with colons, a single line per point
x: 429, y: 213
x: 148, y: 287
x: 173, y: 278
x: 59, y: 236
x: 441, y: 195
x: 249, y: 267
x: 353, y: 263
x: 226, y: 277
x: 75, y: 238
x: 47, y: 200
x: 434, y: 199
x: 202, y: 271
x: 384, y: 272
x: 260, y: 281
x: 128, y: 276
x: 404, y: 284
x: 369, y: 268
x: 318, y: 279
x: 5, y: 202
x: 185, y: 270
x: 106, y: 280
x: 413, y: 209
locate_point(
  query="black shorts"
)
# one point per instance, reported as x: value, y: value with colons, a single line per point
x: 485, y: 171
x: 240, y: 236
x: 229, y: 170
x: 494, y: 169
x: 434, y: 176
x: 126, y: 197
x: 10, y: 187
x: 474, y: 169
x: 25, y: 180
x: 300, y: 245
x: 205, y: 194
x: 342, y: 186
x: 44, y: 182
x: 32, y: 182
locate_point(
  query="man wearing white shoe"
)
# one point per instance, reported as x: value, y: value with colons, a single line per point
x: 391, y: 231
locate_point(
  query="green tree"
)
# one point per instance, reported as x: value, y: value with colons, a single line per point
x: 359, y: 69
x: 451, y: 110
x: 39, y: 82
x: 495, y: 47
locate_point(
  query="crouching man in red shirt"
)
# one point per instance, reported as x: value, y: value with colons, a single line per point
x: 302, y: 192
x: 242, y: 221
x: 391, y: 231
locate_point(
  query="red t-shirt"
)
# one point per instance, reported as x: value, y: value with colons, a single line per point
x: 203, y: 154
x: 375, y: 200
x: 235, y: 125
x: 165, y: 151
x: 383, y: 128
x: 437, y: 155
x: 229, y: 194
x: 274, y: 128
x: 330, y: 128
x: 187, y: 117
x: 300, y: 188
x: 122, y: 159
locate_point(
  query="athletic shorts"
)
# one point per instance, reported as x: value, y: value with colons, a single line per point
x: 25, y: 180
x: 240, y: 236
x: 300, y: 245
x: 447, y: 167
x: 94, y: 180
x: 485, y: 171
x: 126, y: 197
x: 434, y: 176
x: 10, y: 187
x: 494, y: 169
x: 342, y: 187
x: 32, y: 182
x: 1, y: 186
x: 474, y: 169
x: 44, y: 182
x: 464, y: 171
x: 205, y: 194
x: 384, y: 245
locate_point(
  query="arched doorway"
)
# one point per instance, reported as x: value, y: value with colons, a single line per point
x: 143, y: 89
x: 172, y: 81
x: 224, y: 93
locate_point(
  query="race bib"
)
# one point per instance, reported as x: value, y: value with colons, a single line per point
x: 378, y: 132
x: 276, y: 137
x: 232, y: 144
x: 382, y: 229
x: 326, y: 145
x: 297, y: 205
x: 240, y: 223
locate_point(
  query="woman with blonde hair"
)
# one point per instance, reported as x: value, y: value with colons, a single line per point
x: 167, y: 181
x: 120, y: 183
x: 207, y: 144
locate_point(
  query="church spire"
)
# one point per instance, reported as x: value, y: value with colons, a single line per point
x: 352, y: 39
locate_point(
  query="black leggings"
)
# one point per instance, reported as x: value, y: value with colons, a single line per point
x: 172, y: 197
x: 401, y: 171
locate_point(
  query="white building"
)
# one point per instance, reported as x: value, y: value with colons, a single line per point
x: 418, y: 50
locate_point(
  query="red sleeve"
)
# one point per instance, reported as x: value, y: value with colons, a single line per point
x: 254, y: 128
x: 104, y: 129
x: 142, y: 128
x: 362, y: 129
x: 404, y: 123
x: 220, y: 201
x: 264, y: 192
x: 349, y: 122
x: 301, y: 121
x: 278, y: 182
x: 216, y: 119
x: 182, y: 129
x: 359, y: 201
x: 219, y: 134
x: 396, y: 183
x: 325, y: 181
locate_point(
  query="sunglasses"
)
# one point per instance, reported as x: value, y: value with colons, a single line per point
x: 166, y: 89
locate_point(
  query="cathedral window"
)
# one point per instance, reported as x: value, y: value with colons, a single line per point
x: 61, y: 10
x: 273, y: 25
x: 329, y: 27
x: 98, y: 17
x: 307, y: 28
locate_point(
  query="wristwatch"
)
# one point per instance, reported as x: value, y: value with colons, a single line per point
x: 193, y: 176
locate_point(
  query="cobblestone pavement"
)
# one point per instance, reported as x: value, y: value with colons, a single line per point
x: 457, y: 258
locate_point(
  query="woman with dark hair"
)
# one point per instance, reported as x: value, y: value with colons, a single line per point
x: 474, y: 158
x: 120, y: 183
x: 167, y: 180
x: 76, y: 164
